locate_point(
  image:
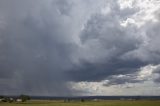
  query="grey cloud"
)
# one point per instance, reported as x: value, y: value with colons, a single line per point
x: 150, y: 51
x: 156, y: 73
x: 37, y: 41
x: 64, y: 7
x: 121, y: 79
x: 109, y: 49
x: 35, y: 50
x: 113, y: 42
x: 44, y: 44
x: 100, y: 71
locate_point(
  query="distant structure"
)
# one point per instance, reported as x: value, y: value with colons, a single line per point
x: 95, y: 100
x: 21, y: 98
x: 6, y: 99
x: 18, y: 100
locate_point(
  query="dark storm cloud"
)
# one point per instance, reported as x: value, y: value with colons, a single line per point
x: 34, y: 48
x: 100, y: 71
x: 157, y: 74
x: 113, y: 49
x: 37, y: 41
x: 114, y: 41
x: 121, y: 79
x: 45, y: 44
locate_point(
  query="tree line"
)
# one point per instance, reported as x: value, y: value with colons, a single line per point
x: 21, y: 98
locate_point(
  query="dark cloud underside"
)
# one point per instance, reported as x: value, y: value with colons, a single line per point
x: 46, y: 44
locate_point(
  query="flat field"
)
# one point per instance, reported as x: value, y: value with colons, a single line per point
x: 87, y: 103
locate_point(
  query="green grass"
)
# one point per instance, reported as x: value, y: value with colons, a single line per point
x: 87, y: 103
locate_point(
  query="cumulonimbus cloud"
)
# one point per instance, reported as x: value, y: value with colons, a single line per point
x: 45, y: 44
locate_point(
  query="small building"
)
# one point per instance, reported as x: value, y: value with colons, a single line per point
x: 95, y: 100
x: 18, y: 100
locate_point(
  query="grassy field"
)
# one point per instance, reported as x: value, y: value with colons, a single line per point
x: 86, y: 103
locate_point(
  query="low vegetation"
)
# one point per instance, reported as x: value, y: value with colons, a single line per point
x: 21, y: 98
x: 85, y: 103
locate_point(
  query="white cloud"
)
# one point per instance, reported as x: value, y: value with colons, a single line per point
x: 126, y: 4
x: 145, y: 84
x: 145, y: 10
x: 97, y: 88
x: 147, y: 72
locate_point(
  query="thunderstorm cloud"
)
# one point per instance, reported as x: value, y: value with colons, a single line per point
x: 79, y: 47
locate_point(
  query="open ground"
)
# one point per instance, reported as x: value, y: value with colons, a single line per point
x: 86, y: 103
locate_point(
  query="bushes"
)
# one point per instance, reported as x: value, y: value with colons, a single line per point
x: 24, y: 98
x: 21, y: 98
x: 6, y: 99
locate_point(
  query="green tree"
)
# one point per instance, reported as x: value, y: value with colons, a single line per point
x: 82, y: 100
x: 24, y: 98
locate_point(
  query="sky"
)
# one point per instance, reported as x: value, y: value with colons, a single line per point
x: 79, y: 47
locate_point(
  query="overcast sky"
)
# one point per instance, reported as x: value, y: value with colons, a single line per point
x: 79, y: 47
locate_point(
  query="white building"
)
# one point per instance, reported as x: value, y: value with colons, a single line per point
x: 19, y: 100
